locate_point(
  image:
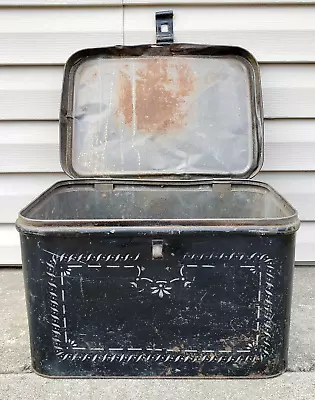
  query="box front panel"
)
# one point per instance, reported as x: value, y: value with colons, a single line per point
x: 215, y: 305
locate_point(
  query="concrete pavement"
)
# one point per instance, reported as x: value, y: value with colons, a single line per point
x: 18, y: 382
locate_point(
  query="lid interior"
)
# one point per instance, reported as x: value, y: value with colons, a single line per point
x: 169, y: 113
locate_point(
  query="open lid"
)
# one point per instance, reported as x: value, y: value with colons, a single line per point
x: 161, y: 111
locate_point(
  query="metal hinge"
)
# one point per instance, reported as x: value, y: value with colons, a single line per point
x: 164, y: 27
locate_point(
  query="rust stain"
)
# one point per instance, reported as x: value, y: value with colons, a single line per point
x: 159, y: 90
x: 125, y: 97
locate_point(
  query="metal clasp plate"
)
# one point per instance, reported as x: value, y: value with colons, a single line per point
x: 164, y: 27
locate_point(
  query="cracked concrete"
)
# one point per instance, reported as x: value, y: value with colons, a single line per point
x: 18, y: 382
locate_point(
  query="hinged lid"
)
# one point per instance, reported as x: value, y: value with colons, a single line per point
x: 161, y: 111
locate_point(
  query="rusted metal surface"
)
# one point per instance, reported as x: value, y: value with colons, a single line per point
x: 125, y: 96
x: 158, y: 89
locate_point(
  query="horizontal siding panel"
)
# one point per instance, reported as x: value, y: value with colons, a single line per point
x: 39, y: 19
x: 69, y: 3
x: 271, y: 33
x: 18, y: 190
x: 298, y: 188
x: 289, y: 145
x: 9, y: 245
x: 33, y: 92
x: 305, y: 245
x: 30, y: 92
x: 33, y: 146
x: 11, y: 254
x: 51, y: 35
x: 48, y: 3
x: 288, y: 90
x: 211, y: 2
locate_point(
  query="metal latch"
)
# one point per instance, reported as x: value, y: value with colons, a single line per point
x: 157, y: 249
x: 164, y: 27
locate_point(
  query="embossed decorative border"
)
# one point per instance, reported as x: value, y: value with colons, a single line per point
x: 66, y: 348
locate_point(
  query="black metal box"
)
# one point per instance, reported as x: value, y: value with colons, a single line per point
x: 162, y: 258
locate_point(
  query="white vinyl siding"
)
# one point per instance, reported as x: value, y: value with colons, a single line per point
x: 41, y: 35
x: 36, y: 40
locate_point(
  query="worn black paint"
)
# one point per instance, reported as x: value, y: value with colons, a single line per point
x: 216, y: 311
x: 216, y: 303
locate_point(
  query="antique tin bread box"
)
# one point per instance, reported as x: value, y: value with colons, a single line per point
x: 161, y: 258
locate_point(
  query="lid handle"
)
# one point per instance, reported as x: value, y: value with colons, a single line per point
x: 164, y: 27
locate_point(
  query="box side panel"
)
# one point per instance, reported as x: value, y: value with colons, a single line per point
x: 37, y: 303
x: 174, y: 305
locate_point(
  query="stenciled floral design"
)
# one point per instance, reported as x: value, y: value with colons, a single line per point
x: 258, y: 349
x: 161, y: 288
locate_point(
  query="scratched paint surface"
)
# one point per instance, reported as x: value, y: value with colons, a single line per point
x: 110, y: 310
x: 166, y: 114
x: 77, y: 276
